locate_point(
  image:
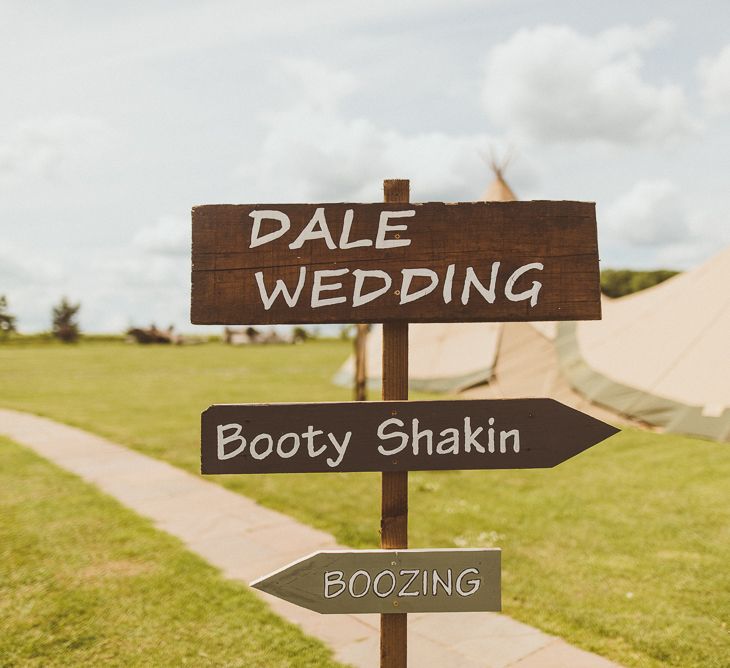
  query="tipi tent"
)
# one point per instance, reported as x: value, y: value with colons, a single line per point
x: 661, y: 355
x: 442, y: 357
x: 498, y: 190
x: 528, y: 365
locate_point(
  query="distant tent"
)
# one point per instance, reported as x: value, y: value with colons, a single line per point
x: 498, y: 190
x: 661, y: 355
x: 443, y: 357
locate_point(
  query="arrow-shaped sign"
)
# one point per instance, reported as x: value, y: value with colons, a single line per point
x: 391, y: 581
x: 395, y: 436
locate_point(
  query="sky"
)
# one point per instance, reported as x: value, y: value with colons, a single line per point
x: 119, y: 117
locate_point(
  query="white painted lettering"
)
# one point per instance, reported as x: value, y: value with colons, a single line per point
x: 309, y: 437
x: 470, y: 437
x: 332, y: 578
x: 318, y: 288
x: 418, y: 435
x: 382, y: 435
x: 280, y: 289
x: 345, y: 242
x: 316, y: 228
x: 404, y: 590
x: 448, y: 283
x: 474, y: 583
x: 358, y: 299
x: 471, y: 279
x: 450, y: 439
x: 351, y: 584
x: 269, y: 447
x: 437, y: 580
x: 532, y: 292
x: 258, y: 216
x: 224, y: 440
x: 384, y: 228
x: 339, y: 447
x: 285, y: 454
x: 504, y: 435
x: 408, y: 275
x: 376, y: 589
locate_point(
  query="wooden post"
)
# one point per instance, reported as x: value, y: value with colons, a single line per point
x: 361, y: 374
x: 394, y: 513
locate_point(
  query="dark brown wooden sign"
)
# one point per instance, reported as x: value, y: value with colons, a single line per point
x: 391, y: 581
x: 395, y: 436
x: 433, y: 262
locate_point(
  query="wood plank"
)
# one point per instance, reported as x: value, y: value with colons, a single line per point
x: 560, y: 236
x: 395, y: 436
x: 391, y: 581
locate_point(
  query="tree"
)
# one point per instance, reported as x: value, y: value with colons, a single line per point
x: 65, y: 323
x: 299, y: 335
x: 7, y: 321
x: 620, y: 282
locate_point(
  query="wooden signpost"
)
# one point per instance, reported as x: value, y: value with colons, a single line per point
x: 391, y: 581
x: 395, y: 436
x: 394, y: 263
x: 337, y: 263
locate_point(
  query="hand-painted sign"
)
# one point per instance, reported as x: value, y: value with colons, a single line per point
x: 434, y: 262
x: 391, y: 581
x: 395, y: 436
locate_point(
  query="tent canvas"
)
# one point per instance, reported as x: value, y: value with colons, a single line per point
x: 661, y: 355
x: 442, y: 357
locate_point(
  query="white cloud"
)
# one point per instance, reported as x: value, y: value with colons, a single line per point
x: 714, y: 76
x: 707, y: 235
x: 650, y: 214
x: 321, y: 86
x: 553, y: 84
x: 169, y: 236
x: 32, y: 282
x: 312, y: 152
x: 143, y: 282
x: 655, y: 225
x: 50, y: 148
x: 20, y: 267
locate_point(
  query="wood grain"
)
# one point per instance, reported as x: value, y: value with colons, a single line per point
x: 560, y: 235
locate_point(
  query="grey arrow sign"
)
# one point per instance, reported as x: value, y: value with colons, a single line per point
x: 391, y: 581
x: 395, y: 436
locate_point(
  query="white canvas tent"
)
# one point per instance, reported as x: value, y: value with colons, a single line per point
x: 661, y: 355
x: 442, y: 357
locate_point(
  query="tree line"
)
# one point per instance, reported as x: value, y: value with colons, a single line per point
x: 621, y: 282
x: 64, y: 320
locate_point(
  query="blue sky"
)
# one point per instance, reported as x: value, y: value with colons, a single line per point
x: 120, y: 117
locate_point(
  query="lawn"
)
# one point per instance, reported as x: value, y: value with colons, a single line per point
x: 86, y: 582
x: 622, y: 550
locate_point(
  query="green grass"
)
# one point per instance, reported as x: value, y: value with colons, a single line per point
x: 622, y: 550
x: 85, y: 582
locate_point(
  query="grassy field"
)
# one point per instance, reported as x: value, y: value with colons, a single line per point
x: 85, y: 582
x: 622, y: 550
